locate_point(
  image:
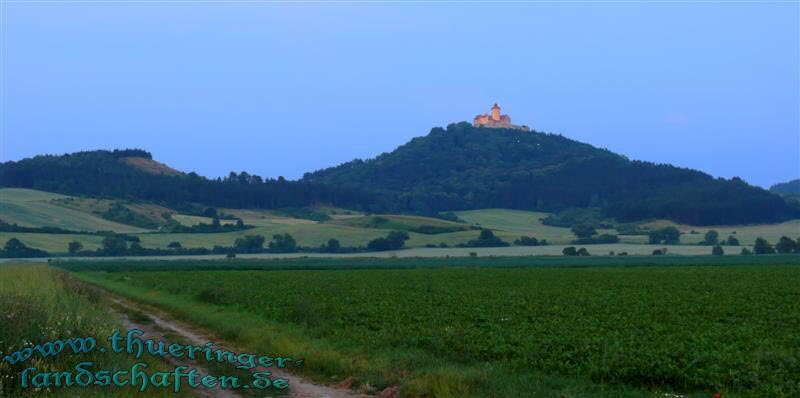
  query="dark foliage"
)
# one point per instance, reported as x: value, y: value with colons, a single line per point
x: 486, y: 239
x: 604, y: 238
x: 469, y: 168
x: 102, y: 174
x: 6, y: 227
x: 282, y: 244
x: 526, y: 241
x: 668, y: 235
x: 393, y: 241
x: 14, y: 248
x: 763, y: 247
x: 787, y: 245
x: 788, y: 188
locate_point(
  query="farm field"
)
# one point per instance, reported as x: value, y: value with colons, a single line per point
x: 745, y: 233
x: 481, y: 331
x: 31, y: 208
x: 37, y: 208
x: 37, y: 305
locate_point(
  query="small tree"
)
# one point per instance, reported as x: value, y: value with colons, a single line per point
x: 717, y: 250
x: 249, y: 244
x: 569, y: 251
x: 785, y: 245
x: 282, y: 244
x: 732, y: 241
x: 74, y: 247
x: 333, y: 245
x: 583, y: 252
x: 114, y: 246
x: 763, y: 247
x: 584, y: 231
x: 711, y: 238
x: 174, y: 245
x: 746, y: 252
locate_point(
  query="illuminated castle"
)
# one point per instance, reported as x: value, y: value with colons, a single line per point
x: 496, y: 120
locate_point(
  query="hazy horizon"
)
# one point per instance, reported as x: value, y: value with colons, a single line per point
x: 278, y: 90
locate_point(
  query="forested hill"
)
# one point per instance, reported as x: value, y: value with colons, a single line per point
x: 464, y: 167
x: 787, y: 188
x: 131, y: 173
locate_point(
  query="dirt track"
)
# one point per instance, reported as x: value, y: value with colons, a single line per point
x: 156, y: 325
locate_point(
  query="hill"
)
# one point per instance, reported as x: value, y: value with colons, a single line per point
x: 132, y: 174
x: 787, y: 188
x: 29, y: 208
x: 463, y: 168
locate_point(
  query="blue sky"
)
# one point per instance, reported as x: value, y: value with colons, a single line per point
x: 276, y: 88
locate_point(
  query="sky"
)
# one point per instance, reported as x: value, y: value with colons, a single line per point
x: 280, y: 88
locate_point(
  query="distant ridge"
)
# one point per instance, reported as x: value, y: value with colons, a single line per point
x: 788, y: 188
x: 458, y: 168
x: 464, y: 167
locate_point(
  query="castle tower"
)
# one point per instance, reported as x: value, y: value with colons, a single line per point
x: 496, y: 112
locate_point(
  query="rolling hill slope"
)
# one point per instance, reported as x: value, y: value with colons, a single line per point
x: 31, y: 208
x: 464, y: 168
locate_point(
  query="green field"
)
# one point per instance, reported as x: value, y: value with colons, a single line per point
x: 37, y: 208
x: 478, y: 331
x: 39, y: 304
x: 31, y: 208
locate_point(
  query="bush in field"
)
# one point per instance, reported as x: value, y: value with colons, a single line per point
x: 786, y: 245
x: 584, y: 231
x: 74, y: 247
x: 711, y: 238
x: 763, y: 247
x: 487, y: 239
x: 282, y: 244
x: 569, y: 251
x: 604, y: 238
x: 732, y: 241
x: 717, y: 250
x: 250, y: 244
x: 745, y: 252
x: 14, y: 248
x: 668, y: 235
x: 393, y: 241
x: 526, y: 241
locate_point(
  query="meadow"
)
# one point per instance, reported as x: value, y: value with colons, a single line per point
x: 353, y: 229
x: 499, y: 327
x: 39, y: 304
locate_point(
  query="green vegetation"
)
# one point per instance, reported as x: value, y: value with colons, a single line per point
x: 39, y: 304
x: 463, y: 167
x: 416, y: 224
x: 489, y: 331
x: 668, y: 235
x: 108, y: 174
x: 30, y: 208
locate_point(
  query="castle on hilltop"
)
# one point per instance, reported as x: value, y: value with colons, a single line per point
x: 496, y: 121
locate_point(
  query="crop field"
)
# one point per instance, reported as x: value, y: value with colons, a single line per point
x: 520, y: 222
x: 38, y: 305
x: 746, y: 234
x: 677, y: 329
x: 33, y: 208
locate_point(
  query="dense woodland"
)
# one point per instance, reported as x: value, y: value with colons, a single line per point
x: 463, y: 167
x: 787, y: 188
x: 102, y: 174
x: 457, y: 168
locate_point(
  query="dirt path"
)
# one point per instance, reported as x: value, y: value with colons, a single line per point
x: 157, y: 326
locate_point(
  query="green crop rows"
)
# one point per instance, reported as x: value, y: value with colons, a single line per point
x: 679, y: 328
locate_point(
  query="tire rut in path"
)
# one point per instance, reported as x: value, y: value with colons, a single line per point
x: 298, y: 387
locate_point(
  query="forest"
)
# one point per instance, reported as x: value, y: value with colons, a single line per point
x: 457, y: 168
